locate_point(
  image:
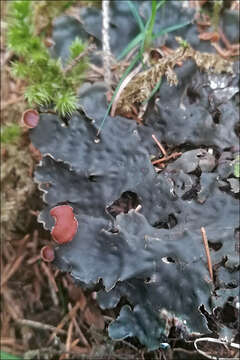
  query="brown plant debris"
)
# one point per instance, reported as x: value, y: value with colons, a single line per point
x: 139, y: 89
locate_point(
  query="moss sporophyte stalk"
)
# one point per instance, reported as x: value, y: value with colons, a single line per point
x: 48, y: 84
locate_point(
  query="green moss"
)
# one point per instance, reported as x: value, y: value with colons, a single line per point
x: 47, y: 82
x: 10, y: 133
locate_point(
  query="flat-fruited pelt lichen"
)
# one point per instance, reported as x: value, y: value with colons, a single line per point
x: 136, y: 233
x: 153, y: 253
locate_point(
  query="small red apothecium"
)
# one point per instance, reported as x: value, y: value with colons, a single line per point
x: 66, y: 224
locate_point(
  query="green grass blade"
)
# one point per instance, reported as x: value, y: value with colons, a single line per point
x: 149, y: 30
x: 126, y: 72
x: 160, y: 3
x: 170, y: 29
x: 131, y: 45
x: 7, y: 356
x: 136, y: 15
x: 155, y: 89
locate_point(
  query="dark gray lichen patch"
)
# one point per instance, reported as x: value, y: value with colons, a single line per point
x: 154, y: 258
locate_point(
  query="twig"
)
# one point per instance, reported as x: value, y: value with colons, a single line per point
x: 12, y: 343
x: 75, y: 342
x: 38, y: 274
x: 166, y: 158
x: 96, y: 69
x: 69, y: 338
x: 52, y: 283
x: 39, y: 325
x: 185, y: 351
x: 209, y: 262
x: 64, y: 320
x: 159, y: 145
x: 84, y: 340
x: 74, y: 62
x: 33, y: 259
x: 13, y: 268
x: 49, y: 275
x: 106, y: 42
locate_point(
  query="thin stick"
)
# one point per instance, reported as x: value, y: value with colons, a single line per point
x: 106, y: 42
x: 14, y: 267
x: 74, y: 62
x: 49, y: 275
x: 64, y: 320
x: 166, y: 158
x: 75, y: 342
x: 209, y: 261
x: 84, y: 340
x: 159, y: 145
x: 33, y: 259
x: 52, y: 283
x: 39, y: 325
x: 69, y: 338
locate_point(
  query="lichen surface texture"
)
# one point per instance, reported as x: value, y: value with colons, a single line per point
x: 152, y: 254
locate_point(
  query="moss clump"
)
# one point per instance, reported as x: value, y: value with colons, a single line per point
x: 48, y: 84
x: 10, y: 133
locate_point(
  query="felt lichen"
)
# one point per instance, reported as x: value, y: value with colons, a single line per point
x: 48, y: 84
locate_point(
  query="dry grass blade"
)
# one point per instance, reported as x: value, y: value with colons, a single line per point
x: 209, y: 261
x: 39, y: 325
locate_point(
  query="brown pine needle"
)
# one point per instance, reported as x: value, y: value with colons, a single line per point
x: 209, y: 261
x: 83, y: 338
x: 50, y: 276
x: 14, y: 267
x: 64, y: 320
x: 166, y: 158
x: 69, y: 339
x: 39, y: 325
x: 159, y: 145
x: 75, y: 342
x: 33, y: 259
